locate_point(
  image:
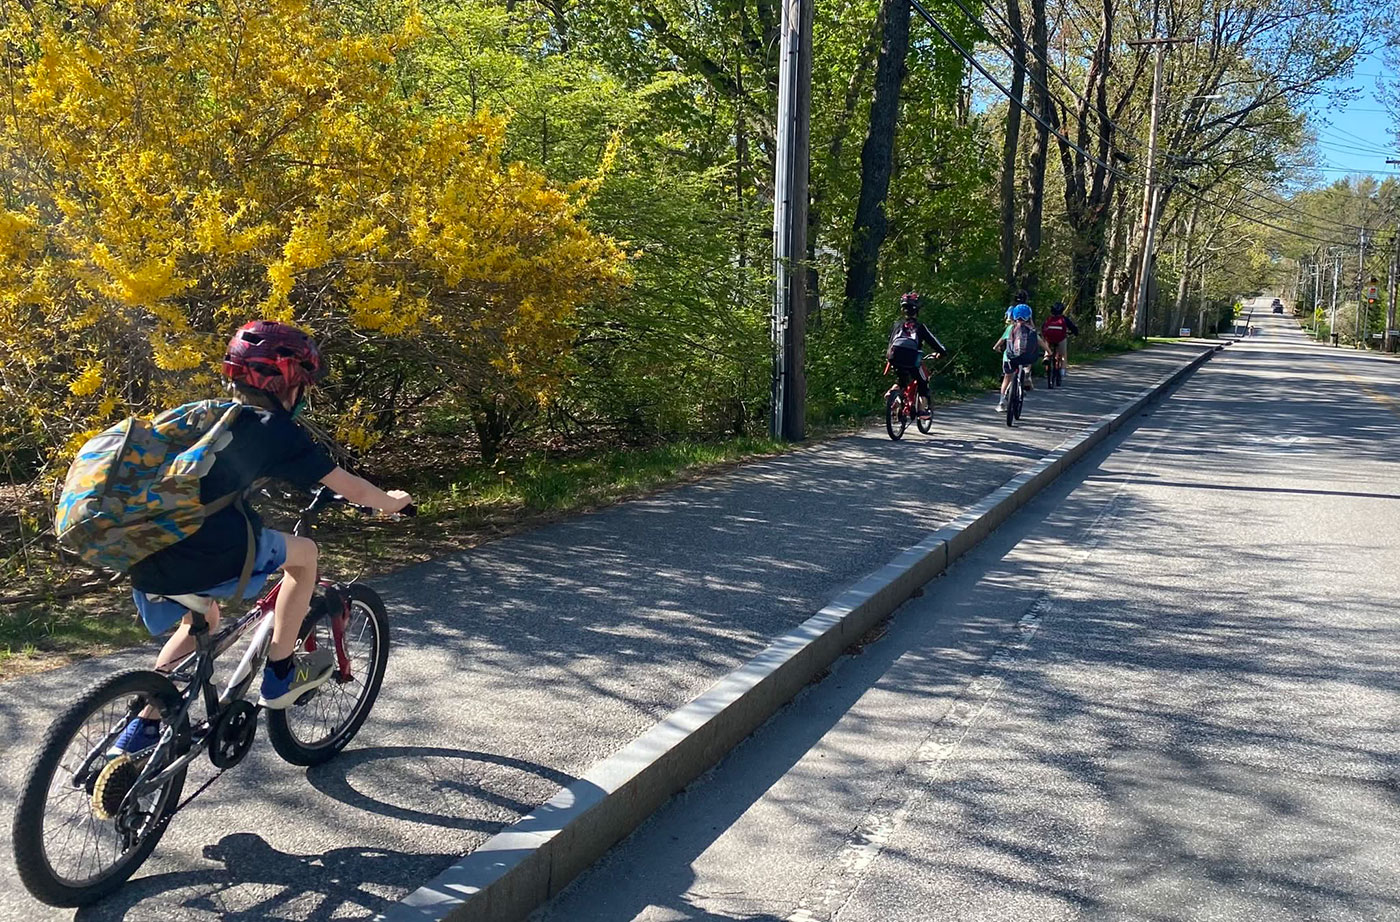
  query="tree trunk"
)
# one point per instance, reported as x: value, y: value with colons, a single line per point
x: 877, y: 163
x: 1026, y: 272
x: 1009, y: 142
x: 1185, y: 281
x: 1107, y: 301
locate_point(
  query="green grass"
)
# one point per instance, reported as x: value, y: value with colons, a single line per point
x: 551, y: 484
x: 40, y: 632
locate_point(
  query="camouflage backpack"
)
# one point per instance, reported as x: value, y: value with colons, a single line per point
x: 134, y: 489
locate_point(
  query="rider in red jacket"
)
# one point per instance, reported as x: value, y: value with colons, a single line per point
x: 1057, y: 329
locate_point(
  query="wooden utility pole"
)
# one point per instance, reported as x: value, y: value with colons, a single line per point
x: 1149, y: 192
x: 1388, y: 343
x: 790, y: 194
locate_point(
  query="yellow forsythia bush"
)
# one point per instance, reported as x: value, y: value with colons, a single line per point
x: 171, y: 169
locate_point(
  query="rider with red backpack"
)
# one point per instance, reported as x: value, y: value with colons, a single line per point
x: 906, y: 336
x: 1056, y: 331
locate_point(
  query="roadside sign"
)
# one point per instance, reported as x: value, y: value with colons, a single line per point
x: 1185, y: 331
x: 1372, y: 293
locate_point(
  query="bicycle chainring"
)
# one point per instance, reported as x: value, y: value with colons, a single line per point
x: 232, y: 735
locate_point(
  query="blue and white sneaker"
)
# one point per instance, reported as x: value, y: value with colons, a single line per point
x: 141, y: 734
x: 309, y: 670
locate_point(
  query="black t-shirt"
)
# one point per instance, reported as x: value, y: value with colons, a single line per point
x: 265, y: 444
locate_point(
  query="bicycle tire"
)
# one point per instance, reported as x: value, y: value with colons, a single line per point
x: 1020, y: 403
x: 32, y: 859
x: 280, y: 729
x: 925, y: 423
x: 894, y: 416
x: 1011, y: 392
x: 1050, y: 373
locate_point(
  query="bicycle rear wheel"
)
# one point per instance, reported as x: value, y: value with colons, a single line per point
x: 74, y: 840
x: 1019, y: 402
x: 1012, y: 394
x: 1050, y: 372
x: 314, y: 729
x: 896, y: 420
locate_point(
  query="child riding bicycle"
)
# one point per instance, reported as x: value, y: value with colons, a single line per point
x: 1017, y: 345
x: 1056, y: 330
x: 270, y: 367
x: 906, y: 336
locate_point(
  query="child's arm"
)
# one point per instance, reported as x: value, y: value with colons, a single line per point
x: 363, y: 493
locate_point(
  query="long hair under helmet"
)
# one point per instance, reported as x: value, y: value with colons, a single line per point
x: 275, y: 358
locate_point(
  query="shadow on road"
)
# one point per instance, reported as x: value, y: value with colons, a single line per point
x: 345, y: 883
x: 452, y: 776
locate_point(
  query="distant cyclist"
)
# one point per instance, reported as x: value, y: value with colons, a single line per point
x: 1021, y: 298
x: 906, y: 337
x: 1056, y: 331
x: 1018, y: 348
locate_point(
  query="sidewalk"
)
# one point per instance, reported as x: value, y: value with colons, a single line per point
x: 518, y: 665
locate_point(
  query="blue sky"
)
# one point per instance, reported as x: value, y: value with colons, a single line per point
x: 1356, y: 136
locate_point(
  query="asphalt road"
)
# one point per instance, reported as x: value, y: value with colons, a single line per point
x: 1168, y: 689
x: 518, y: 665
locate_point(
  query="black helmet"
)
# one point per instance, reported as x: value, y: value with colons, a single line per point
x: 910, y: 302
x: 1057, y: 308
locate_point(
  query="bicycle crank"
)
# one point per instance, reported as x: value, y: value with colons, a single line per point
x: 232, y: 735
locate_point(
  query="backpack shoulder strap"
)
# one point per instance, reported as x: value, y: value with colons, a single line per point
x: 251, y: 555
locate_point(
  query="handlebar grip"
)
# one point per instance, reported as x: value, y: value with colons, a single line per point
x: 410, y: 510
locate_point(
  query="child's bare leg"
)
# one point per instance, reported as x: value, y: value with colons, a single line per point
x: 294, y: 598
x: 180, y: 645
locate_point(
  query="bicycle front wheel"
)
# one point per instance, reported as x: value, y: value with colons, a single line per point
x: 314, y: 729
x: 77, y: 835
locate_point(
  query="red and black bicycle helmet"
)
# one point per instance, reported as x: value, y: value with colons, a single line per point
x: 909, y: 301
x: 273, y: 357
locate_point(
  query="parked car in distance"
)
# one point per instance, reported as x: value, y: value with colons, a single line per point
x: 1277, y: 306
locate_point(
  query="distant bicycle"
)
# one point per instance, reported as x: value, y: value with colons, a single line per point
x: 1054, y: 370
x: 87, y: 818
x: 903, y: 404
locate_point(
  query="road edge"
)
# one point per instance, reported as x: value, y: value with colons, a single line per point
x: 520, y: 868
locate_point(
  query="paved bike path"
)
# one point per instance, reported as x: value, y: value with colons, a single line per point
x: 518, y: 665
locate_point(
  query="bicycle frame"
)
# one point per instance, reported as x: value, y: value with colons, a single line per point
x: 910, y: 391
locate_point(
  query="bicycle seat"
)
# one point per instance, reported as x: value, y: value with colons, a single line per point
x: 199, y: 603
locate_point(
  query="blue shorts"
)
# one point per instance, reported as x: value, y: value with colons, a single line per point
x: 161, y: 614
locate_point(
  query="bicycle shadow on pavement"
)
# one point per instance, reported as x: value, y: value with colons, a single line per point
x: 259, y: 882
x: 429, y: 785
